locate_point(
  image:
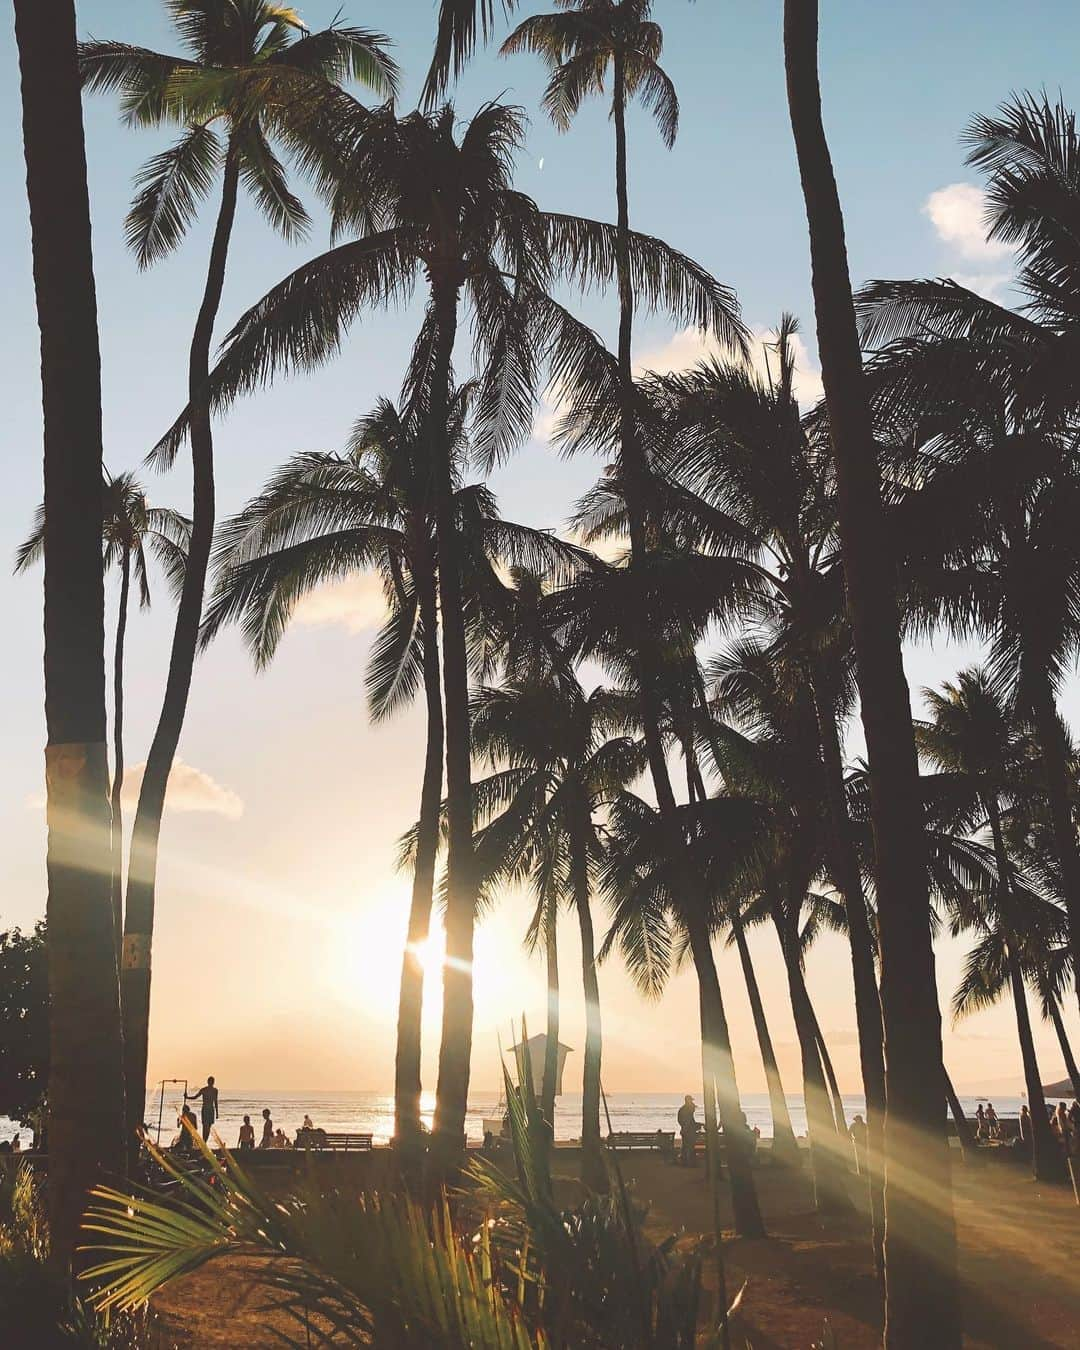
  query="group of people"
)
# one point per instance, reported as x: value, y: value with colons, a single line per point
x: 689, y: 1126
x: 987, y: 1125
x: 1064, y: 1125
x: 209, y: 1112
x: 12, y: 1145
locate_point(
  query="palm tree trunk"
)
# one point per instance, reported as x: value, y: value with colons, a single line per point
x: 407, y: 1084
x: 1054, y: 748
x: 848, y: 876
x: 1047, y: 1162
x: 1066, y: 1049
x: 455, y: 1050
x: 551, y: 1042
x: 116, y: 849
x: 829, y: 1193
x: 593, y: 1169
x: 785, y: 1150
x: 146, y: 831
x: 920, y: 1247
x: 835, y: 1099
x: 963, y: 1128
x: 86, y: 1087
x: 635, y: 471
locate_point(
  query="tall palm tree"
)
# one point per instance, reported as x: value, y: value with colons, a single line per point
x: 970, y: 734
x: 247, y: 63
x: 130, y: 527
x: 325, y: 516
x: 86, y: 1085
x: 920, y: 1243
x: 423, y: 202
x: 557, y: 764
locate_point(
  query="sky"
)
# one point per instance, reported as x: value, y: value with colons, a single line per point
x: 280, y: 915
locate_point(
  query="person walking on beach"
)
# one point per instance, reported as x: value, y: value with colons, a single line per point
x: 980, y: 1127
x: 209, y: 1108
x: 857, y: 1134
x: 688, y: 1128
x: 1025, y: 1127
x: 247, y: 1134
x: 268, y: 1130
x: 991, y: 1121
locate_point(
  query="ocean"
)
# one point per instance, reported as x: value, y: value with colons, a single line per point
x: 373, y: 1112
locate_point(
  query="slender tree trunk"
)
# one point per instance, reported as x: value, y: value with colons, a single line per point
x: 835, y: 1099
x: 1047, y: 1162
x: 407, y: 1084
x: 593, y: 1169
x: 1066, y: 1049
x: 920, y: 1232
x: 116, y: 849
x: 785, y: 1150
x: 635, y: 472
x: 1054, y: 748
x: 455, y: 1051
x: 86, y: 1088
x: 551, y: 1041
x: 146, y: 831
x: 963, y: 1128
x: 848, y: 876
x: 829, y: 1193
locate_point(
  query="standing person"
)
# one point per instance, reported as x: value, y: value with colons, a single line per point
x: 247, y: 1134
x: 980, y: 1128
x: 267, y: 1140
x: 857, y: 1134
x: 991, y: 1121
x: 1025, y: 1127
x: 209, y: 1108
x: 1059, y: 1123
x: 688, y: 1128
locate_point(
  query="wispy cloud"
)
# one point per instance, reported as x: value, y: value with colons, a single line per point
x: 958, y: 215
x: 356, y: 604
x: 190, y: 790
x: 689, y: 347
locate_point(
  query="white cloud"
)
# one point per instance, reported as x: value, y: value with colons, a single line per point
x: 356, y: 604
x: 987, y: 284
x: 190, y: 790
x: 689, y: 347
x: 958, y: 215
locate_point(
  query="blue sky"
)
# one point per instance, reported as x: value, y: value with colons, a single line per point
x: 278, y: 891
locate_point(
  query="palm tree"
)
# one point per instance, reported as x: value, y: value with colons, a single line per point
x: 326, y: 516
x: 130, y: 526
x: 970, y: 735
x: 86, y: 1085
x: 557, y: 763
x: 920, y: 1280
x: 423, y: 202
x: 248, y: 62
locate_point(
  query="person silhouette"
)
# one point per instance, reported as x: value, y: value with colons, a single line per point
x: 267, y: 1140
x: 209, y: 1109
x: 247, y: 1134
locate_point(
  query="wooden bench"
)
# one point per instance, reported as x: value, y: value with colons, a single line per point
x: 655, y: 1141
x: 325, y: 1141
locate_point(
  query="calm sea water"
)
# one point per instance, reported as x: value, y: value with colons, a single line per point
x: 373, y: 1112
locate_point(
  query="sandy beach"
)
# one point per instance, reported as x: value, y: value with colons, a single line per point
x: 1019, y: 1254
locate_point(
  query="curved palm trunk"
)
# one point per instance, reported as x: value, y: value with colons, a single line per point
x: 963, y: 1127
x: 551, y: 1043
x: 835, y: 1099
x: 1052, y: 744
x: 716, y: 1049
x: 1047, y: 1163
x: 455, y: 1050
x: 593, y: 1169
x: 1066, y: 1049
x: 116, y: 838
x: 407, y: 1084
x: 85, y: 1090
x: 146, y: 831
x: 920, y: 1231
x: 848, y: 876
x: 785, y: 1150
x: 829, y: 1193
